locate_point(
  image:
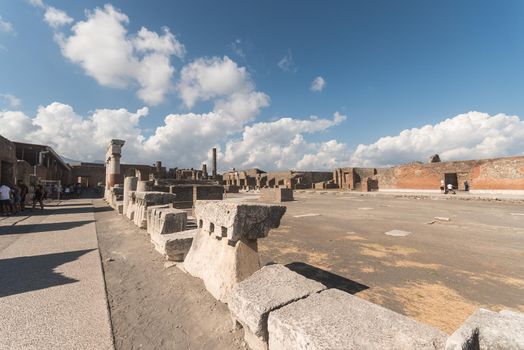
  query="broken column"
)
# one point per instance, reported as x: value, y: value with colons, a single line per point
x: 113, y: 154
x: 130, y: 183
x: 214, y: 163
x: 224, y: 250
x: 143, y: 200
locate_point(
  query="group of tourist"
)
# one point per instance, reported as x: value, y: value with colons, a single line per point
x: 12, y: 198
x: 449, y: 187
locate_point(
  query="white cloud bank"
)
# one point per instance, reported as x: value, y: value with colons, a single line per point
x: 472, y: 135
x: 11, y: 100
x: 318, y: 84
x: 105, y: 50
x: 185, y: 140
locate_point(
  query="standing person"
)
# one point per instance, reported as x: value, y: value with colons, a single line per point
x: 5, y: 199
x: 441, y: 185
x: 466, y: 186
x: 23, y: 192
x: 39, y: 197
x: 450, y: 189
x: 16, y: 199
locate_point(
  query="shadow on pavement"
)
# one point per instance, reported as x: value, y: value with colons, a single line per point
x: 28, y: 273
x: 59, y: 226
x: 327, y: 278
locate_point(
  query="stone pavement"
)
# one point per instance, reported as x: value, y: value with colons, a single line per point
x: 52, y: 292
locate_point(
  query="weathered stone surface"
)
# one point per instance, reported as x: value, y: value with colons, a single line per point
x: 334, y: 319
x: 143, y: 200
x: 489, y: 330
x: 152, y: 216
x: 174, y: 246
x: 237, y: 220
x: 120, y: 207
x: 225, y: 251
x: 163, y: 220
x: 276, y: 195
x: 267, y: 289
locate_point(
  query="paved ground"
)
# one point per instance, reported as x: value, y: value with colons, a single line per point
x: 52, y: 292
x: 153, y: 307
x: 439, y: 273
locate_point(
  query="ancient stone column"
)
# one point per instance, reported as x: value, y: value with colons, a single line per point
x: 130, y: 183
x: 214, y: 163
x: 113, y: 154
x: 143, y: 186
x: 204, y: 170
x: 225, y: 250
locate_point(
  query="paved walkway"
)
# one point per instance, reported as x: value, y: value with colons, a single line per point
x: 52, y: 293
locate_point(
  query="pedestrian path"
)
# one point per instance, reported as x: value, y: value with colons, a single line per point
x: 52, y: 292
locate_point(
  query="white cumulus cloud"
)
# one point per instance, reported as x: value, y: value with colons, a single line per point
x: 472, y: 135
x: 102, y: 46
x: 56, y: 17
x: 318, y: 84
x: 281, y: 144
x: 225, y: 83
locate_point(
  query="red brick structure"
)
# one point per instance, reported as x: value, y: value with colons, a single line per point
x: 485, y: 175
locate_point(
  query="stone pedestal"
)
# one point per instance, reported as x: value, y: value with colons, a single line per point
x: 224, y: 250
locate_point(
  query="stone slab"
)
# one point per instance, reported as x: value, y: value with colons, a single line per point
x: 486, y: 329
x: 268, y: 289
x: 237, y: 220
x: 164, y: 220
x: 174, y: 246
x: 333, y: 319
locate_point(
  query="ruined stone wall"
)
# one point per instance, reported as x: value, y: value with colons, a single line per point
x: 487, y: 174
x: 7, y: 161
x: 91, y: 173
x: 23, y: 171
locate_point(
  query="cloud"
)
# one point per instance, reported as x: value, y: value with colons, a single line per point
x: 5, y: 26
x: 286, y: 63
x: 472, y: 135
x: 225, y: 83
x: 281, y: 145
x: 102, y: 46
x: 72, y: 135
x: 318, y: 84
x: 36, y: 3
x: 12, y: 100
x: 236, y: 46
x: 56, y: 18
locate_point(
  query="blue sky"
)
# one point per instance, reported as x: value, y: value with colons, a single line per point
x: 388, y: 66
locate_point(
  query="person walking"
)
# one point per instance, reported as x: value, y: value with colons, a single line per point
x: 450, y: 189
x: 39, y: 197
x: 5, y: 199
x: 16, y: 199
x: 23, y: 193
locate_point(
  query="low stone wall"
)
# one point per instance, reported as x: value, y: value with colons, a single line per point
x: 276, y: 195
x: 143, y: 200
x: 282, y: 310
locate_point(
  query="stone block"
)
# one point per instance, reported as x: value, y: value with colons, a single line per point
x: 276, y: 195
x: 143, y: 200
x: 333, y: 319
x: 489, y: 330
x: 225, y: 250
x: 174, y: 246
x: 163, y: 220
x: 153, y: 217
x: 237, y: 220
x: 120, y: 207
x: 267, y: 289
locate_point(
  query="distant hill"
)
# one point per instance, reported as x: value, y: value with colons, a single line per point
x: 73, y: 161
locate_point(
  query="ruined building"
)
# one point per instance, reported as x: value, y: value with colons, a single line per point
x: 497, y: 175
